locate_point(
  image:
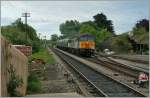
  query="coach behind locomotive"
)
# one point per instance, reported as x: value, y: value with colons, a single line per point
x: 83, y: 45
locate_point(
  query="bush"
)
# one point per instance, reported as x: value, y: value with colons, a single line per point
x: 14, y: 82
x: 34, y: 85
x: 121, y: 44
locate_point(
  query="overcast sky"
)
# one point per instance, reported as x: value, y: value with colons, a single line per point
x: 46, y: 16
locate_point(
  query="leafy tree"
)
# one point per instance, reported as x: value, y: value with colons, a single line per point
x: 61, y: 37
x: 121, y: 43
x: 141, y: 35
x: 144, y: 23
x: 91, y: 23
x: 103, y: 35
x: 70, y: 28
x: 29, y: 31
x: 102, y: 23
x: 54, y: 39
x: 87, y: 29
x: 19, y: 33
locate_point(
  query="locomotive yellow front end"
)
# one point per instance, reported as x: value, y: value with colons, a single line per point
x: 87, y: 45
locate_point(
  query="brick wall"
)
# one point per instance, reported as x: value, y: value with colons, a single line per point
x: 26, y: 50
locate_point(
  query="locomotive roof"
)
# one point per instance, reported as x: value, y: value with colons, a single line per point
x: 82, y: 35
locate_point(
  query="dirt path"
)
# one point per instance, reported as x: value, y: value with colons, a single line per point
x: 55, y: 82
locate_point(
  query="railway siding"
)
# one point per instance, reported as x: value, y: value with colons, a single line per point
x: 135, y: 58
x: 138, y: 66
x: 121, y: 78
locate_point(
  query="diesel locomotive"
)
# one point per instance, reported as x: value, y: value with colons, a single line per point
x: 82, y: 45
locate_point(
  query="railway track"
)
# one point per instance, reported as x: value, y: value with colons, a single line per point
x: 137, y: 60
x: 84, y: 82
x: 131, y: 59
x: 129, y: 70
x: 102, y: 84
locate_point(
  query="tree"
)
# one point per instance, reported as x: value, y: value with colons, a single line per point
x: 103, y: 35
x: 16, y: 33
x: 90, y: 23
x: 144, y: 23
x: 54, y: 39
x: 87, y: 29
x: 141, y: 32
x: 141, y: 35
x: 102, y: 23
x: 70, y: 28
x: 121, y: 43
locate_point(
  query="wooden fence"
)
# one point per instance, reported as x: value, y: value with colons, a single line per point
x: 10, y: 56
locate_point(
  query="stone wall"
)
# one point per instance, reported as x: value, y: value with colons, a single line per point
x: 10, y: 56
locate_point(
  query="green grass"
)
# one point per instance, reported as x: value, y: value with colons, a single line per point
x: 34, y: 85
x: 44, y: 55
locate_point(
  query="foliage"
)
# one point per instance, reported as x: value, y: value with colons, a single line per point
x: 141, y: 35
x: 102, y: 23
x: 19, y: 33
x: 121, y: 43
x: 118, y: 43
x: 141, y: 31
x: 54, y: 39
x: 44, y: 55
x: 69, y: 28
x: 14, y: 83
x: 144, y: 23
x: 102, y: 35
x: 88, y: 29
x: 34, y: 85
x: 91, y: 23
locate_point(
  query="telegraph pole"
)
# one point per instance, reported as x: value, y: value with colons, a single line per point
x: 39, y: 35
x: 26, y: 15
x: 45, y: 41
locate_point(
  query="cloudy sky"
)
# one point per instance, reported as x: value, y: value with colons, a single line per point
x: 46, y: 16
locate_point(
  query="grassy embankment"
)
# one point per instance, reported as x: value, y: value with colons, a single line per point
x: 34, y: 84
x: 44, y: 55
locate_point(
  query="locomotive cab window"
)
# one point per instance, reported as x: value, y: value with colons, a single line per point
x: 87, y: 38
x: 83, y: 38
x: 90, y: 38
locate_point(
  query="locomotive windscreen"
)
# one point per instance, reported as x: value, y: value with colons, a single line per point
x: 87, y: 38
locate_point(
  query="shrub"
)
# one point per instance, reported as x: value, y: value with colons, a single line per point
x: 15, y: 82
x: 34, y: 85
